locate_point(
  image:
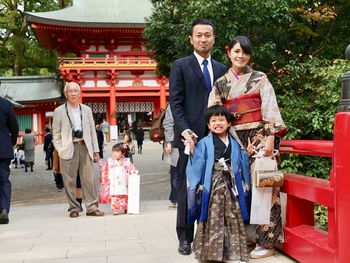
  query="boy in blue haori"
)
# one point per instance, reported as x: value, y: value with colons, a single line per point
x: 218, y: 181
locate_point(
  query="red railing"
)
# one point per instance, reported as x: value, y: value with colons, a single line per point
x: 303, y: 241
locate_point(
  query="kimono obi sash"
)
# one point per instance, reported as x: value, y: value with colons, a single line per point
x: 245, y: 109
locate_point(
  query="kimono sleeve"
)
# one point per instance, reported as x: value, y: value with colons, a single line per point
x: 270, y: 110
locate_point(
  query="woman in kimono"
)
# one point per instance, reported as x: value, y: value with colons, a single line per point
x: 217, y: 176
x: 257, y: 121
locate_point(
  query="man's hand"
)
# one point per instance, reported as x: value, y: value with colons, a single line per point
x: 168, y: 147
x: 189, y: 135
x: 96, y: 157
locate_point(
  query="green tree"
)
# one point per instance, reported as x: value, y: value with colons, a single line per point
x: 19, y: 51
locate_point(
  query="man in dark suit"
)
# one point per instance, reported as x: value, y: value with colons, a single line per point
x: 191, y: 79
x: 8, y: 138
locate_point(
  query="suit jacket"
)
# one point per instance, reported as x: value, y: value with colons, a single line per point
x: 47, y: 141
x: 62, y: 132
x: 8, y: 129
x: 189, y: 96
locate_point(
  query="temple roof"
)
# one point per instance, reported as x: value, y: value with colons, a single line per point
x: 31, y: 89
x: 97, y: 14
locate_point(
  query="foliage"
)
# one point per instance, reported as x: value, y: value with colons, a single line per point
x: 20, y: 54
x: 321, y: 217
x: 276, y: 27
x: 308, y: 95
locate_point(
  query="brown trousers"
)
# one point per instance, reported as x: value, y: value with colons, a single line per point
x: 81, y: 162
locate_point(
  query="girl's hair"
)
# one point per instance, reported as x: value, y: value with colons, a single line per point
x: 244, y: 42
x: 121, y: 147
x: 217, y: 110
x: 27, y: 130
x: 128, y: 134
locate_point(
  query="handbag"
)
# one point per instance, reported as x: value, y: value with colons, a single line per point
x: 269, y: 178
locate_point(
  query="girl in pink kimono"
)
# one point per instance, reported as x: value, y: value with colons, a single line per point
x: 114, y: 179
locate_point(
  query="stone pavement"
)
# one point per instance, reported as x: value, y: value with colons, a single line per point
x: 42, y: 232
x: 45, y: 234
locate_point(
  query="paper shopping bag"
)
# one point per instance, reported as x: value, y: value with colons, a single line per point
x: 134, y: 194
x: 261, y: 197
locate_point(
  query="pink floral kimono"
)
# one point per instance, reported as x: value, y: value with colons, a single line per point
x: 114, y: 183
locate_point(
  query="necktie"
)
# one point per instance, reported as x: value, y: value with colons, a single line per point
x: 206, y: 75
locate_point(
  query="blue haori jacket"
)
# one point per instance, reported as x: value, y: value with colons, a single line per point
x: 199, y: 172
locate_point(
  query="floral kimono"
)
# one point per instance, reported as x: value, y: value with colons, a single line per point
x: 252, y: 102
x: 114, y: 183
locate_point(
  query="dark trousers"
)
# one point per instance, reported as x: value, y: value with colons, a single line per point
x: 49, y: 163
x: 5, y: 185
x: 58, y: 180
x: 183, y: 228
x: 174, y: 181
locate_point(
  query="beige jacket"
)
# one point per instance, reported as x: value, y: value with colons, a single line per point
x: 62, y: 132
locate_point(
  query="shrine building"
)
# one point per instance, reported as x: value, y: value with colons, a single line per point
x: 100, y: 46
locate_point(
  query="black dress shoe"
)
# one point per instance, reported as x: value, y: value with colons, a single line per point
x: 4, y: 217
x: 184, y: 248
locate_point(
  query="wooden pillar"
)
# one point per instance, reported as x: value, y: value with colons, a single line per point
x: 341, y: 166
x: 112, y: 107
x: 41, y: 126
x: 112, y: 102
x: 162, y: 98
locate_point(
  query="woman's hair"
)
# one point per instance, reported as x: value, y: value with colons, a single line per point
x: 244, y: 42
x: 217, y: 110
x: 27, y: 130
x: 121, y: 147
x: 128, y: 134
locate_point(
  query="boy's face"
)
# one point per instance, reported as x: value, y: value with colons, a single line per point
x: 219, y: 125
x: 117, y: 155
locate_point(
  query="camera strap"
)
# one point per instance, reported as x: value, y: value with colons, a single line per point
x: 70, y: 121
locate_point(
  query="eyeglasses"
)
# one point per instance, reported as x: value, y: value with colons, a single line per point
x: 73, y: 91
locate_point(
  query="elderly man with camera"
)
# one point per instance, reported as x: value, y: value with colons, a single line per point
x: 75, y: 140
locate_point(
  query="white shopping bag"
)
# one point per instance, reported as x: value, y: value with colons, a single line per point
x: 261, y: 197
x: 134, y: 194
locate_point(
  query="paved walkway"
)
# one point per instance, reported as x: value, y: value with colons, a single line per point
x: 40, y: 230
x: 45, y: 234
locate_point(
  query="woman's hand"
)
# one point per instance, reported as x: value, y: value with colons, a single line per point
x: 269, y: 145
x: 250, y: 147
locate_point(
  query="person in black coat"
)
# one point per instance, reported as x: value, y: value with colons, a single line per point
x: 140, y: 136
x: 190, y: 82
x: 48, y: 148
x: 8, y: 138
x: 100, y: 139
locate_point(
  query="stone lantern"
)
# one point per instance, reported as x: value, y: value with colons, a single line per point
x: 345, y: 88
